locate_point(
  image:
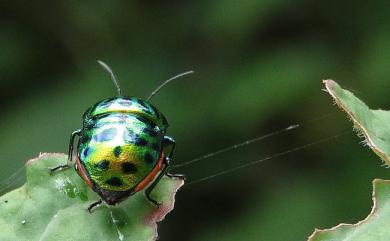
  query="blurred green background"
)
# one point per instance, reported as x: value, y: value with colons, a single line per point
x: 259, y: 66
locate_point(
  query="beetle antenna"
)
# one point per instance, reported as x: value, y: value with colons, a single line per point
x: 114, y: 80
x: 167, y: 81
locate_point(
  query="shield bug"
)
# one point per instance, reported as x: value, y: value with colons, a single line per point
x: 121, y: 146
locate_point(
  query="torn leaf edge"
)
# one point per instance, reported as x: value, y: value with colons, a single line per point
x: 347, y: 225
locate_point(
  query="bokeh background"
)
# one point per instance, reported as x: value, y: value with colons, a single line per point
x: 259, y: 66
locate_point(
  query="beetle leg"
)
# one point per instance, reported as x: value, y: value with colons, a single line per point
x: 181, y: 176
x: 170, y: 141
x: 71, y: 144
x: 94, y: 205
x: 167, y: 141
x: 154, y: 183
x: 70, y: 153
x: 167, y: 162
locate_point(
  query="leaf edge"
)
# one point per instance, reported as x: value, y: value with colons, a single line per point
x: 374, y: 209
x: 357, y: 125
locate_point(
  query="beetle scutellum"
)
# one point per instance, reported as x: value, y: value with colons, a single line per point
x: 121, y: 146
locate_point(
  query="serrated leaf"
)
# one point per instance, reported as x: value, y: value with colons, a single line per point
x: 373, y: 228
x: 53, y: 207
x: 374, y: 125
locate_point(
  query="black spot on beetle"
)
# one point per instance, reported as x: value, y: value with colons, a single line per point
x: 140, y: 119
x: 102, y: 165
x: 156, y: 147
x: 129, y: 135
x: 140, y: 141
x: 114, y: 181
x: 148, y: 158
x: 6, y: 201
x: 117, y: 151
x: 85, y: 137
x: 86, y: 151
x: 128, y: 167
x: 150, y: 132
x: 146, y: 121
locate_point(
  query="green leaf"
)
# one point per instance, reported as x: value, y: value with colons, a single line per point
x: 374, y: 126
x: 374, y: 227
x: 53, y: 207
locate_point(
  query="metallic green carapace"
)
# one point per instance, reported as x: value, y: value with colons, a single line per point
x: 121, y: 142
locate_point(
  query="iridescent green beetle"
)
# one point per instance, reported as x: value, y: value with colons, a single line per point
x: 121, y: 147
